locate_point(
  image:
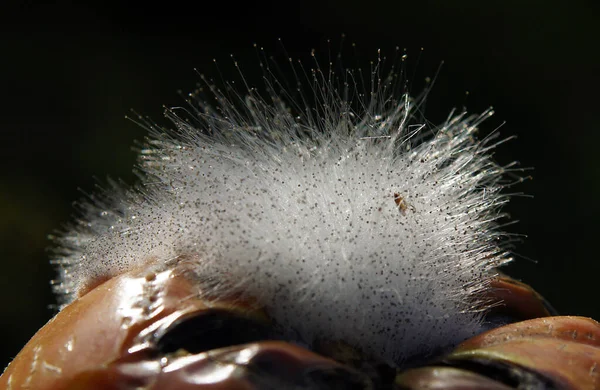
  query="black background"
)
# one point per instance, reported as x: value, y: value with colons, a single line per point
x: 70, y: 73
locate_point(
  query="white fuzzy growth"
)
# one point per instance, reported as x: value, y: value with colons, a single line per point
x: 343, y: 220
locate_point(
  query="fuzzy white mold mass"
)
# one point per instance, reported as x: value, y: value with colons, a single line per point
x: 343, y: 217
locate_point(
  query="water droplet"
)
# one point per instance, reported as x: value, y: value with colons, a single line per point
x: 126, y: 322
x: 69, y: 344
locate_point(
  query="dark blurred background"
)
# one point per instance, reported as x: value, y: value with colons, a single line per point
x: 70, y: 73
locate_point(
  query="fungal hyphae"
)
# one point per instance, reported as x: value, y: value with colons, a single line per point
x: 326, y: 198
